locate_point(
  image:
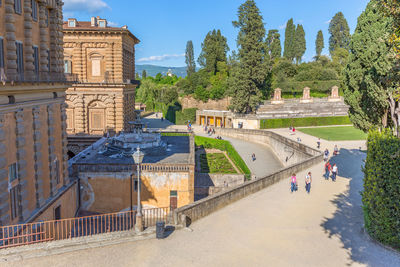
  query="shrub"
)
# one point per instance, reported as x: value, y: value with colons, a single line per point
x: 381, y: 195
x: 303, y: 122
x: 185, y: 115
x: 224, y: 146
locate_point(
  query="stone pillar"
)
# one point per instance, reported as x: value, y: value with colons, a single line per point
x: 78, y: 57
x: 43, y: 60
x: 21, y: 163
x: 28, y: 43
x: 64, y: 141
x: 59, y: 51
x: 37, y: 148
x: 118, y: 69
x: 334, y: 94
x: 53, y: 40
x: 306, y: 96
x: 110, y: 61
x: 277, y: 97
x: 110, y: 119
x: 11, y: 48
x: 51, y: 147
x: 79, y: 115
x: 119, y: 114
x: 4, y: 194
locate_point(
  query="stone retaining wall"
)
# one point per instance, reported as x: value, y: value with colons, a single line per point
x: 305, y: 157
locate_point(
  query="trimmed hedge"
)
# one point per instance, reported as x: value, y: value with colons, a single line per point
x: 303, y: 122
x: 381, y: 195
x: 224, y: 146
x: 185, y: 115
x: 320, y: 86
x: 175, y: 134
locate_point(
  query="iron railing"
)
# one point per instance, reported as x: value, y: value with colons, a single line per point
x: 38, y: 232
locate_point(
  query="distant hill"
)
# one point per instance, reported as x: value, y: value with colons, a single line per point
x: 153, y: 70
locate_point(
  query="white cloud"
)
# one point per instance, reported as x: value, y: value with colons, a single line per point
x: 91, y: 6
x: 328, y: 21
x: 112, y: 24
x: 283, y: 26
x: 160, y: 58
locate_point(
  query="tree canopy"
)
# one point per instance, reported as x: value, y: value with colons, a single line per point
x: 370, y: 59
x: 299, y: 43
x: 213, y: 50
x: 340, y: 33
x: 289, y: 46
x: 189, y: 59
x: 319, y: 44
x: 274, y: 48
x: 249, y: 76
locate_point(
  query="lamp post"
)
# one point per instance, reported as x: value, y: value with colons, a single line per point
x: 138, y: 159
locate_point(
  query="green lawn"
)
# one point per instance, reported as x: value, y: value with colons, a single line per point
x: 340, y: 133
x: 215, y: 163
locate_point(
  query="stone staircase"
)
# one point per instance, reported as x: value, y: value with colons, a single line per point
x: 292, y: 108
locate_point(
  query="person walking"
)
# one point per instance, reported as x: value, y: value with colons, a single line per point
x: 334, y: 172
x: 293, y: 183
x: 335, y: 150
x: 328, y: 168
x: 326, y: 155
x: 308, y: 182
x: 319, y: 143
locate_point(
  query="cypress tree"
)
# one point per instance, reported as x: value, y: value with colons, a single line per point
x: 369, y: 62
x: 249, y: 76
x: 274, y: 48
x: 289, y: 45
x: 189, y: 59
x: 144, y: 74
x: 299, y: 43
x: 213, y: 50
x: 340, y: 33
x: 319, y: 44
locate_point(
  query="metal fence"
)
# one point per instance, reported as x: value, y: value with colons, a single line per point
x: 31, y: 233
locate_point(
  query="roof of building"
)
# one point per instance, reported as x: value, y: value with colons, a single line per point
x: 87, y: 26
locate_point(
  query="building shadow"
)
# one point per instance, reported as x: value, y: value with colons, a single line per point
x: 347, y: 222
x: 169, y: 229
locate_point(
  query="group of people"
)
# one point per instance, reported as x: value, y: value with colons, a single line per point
x: 210, y: 131
x: 294, y: 184
x: 328, y: 169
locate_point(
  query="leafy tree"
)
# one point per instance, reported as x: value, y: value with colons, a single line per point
x: 340, y: 56
x: 369, y: 62
x: 274, y: 48
x: 319, y: 44
x: 299, y: 43
x: 340, y: 33
x: 249, y: 75
x: 144, y: 74
x: 289, y: 47
x: 213, y: 50
x: 189, y: 59
x: 137, y: 77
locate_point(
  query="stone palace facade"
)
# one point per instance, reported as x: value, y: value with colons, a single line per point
x: 103, y: 58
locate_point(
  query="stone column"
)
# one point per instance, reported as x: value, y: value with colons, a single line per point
x: 51, y: 147
x: 119, y: 114
x: 21, y: 163
x: 78, y: 58
x: 59, y: 39
x: 28, y: 43
x: 64, y: 163
x: 43, y: 61
x: 53, y: 40
x: 4, y: 194
x: 79, y: 115
x: 37, y: 148
x: 11, y: 48
x: 110, y: 112
x: 118, y: 64
x: 110, y: 61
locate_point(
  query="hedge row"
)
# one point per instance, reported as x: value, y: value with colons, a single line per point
x: 182, y: 117
x: 295, y: 86
x: 174, y: 134
x: 224, y: 146
x: 381, y: 195
x: 303, y: 122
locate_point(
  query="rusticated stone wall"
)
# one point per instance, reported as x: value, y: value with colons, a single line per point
x: 190, y: 102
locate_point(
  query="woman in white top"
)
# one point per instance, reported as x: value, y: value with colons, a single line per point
x: 308, y: 182
x: 334, y: 172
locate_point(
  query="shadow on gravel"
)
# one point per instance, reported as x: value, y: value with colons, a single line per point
x: 347, y: 222
x: 169, y: 230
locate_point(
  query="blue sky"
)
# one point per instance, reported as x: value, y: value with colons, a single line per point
x: 164, y: 27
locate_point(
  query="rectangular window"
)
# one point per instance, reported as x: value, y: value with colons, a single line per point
x: 14, y: 193
x: 57, y: 170
x: 36, y: 59
x: 57, y: 213
x: 47, y: 17
x: 1, y: 53
x: 20, y: 59
x: 34, y: 10
x: 17, y: 6
x: 48, y: 60
x: 68, y: 66
x: 12, y: 172
x: 102, y: 24
x: 71, y: 23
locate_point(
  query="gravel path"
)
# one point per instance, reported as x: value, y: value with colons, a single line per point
x: 270, y: 228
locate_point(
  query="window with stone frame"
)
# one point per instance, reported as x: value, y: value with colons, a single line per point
x: 68, y: 66
x: 20, y: 58
x: 12, y: 172
x: 13, y: 189
x: 34, y: 10
x: 36, y: 59
x: 18, y: 6
x: 1, y: 53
